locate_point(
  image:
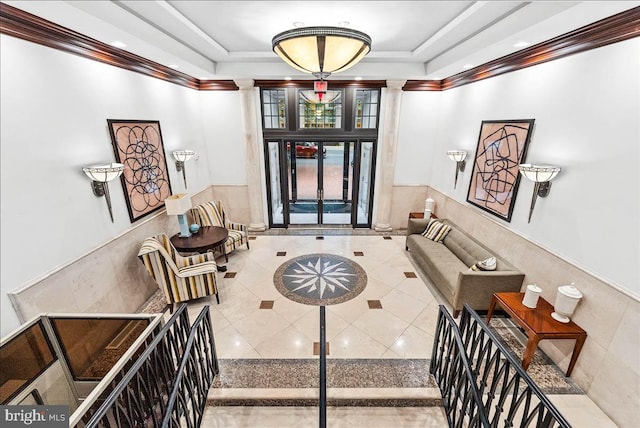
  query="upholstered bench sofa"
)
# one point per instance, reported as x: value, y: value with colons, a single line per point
x: 448, y: 264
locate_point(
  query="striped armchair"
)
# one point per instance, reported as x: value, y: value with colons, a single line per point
x: 180, y: 278
x: 213, y: 214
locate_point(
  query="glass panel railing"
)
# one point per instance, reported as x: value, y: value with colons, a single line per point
x: 92, y: 346
x: 24, y: 358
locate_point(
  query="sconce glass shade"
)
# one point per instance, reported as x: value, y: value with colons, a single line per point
x: 183, y: 155
x: 104, y: 173
x: 100, y: 175
x: 539, y: 173
x: 321, y: 50
x: 457, y: 155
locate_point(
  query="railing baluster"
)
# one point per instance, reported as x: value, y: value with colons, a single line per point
x: 323, y: 371
x: 481, y: 383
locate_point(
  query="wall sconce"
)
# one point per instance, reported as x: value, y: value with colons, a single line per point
x: 179, y: 205
x: 100, y: 175
x: 542, y: 176
x: 458, y: 156
x: 181, y: 157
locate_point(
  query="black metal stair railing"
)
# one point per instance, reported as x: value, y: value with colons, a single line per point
x: 452, y: 372
x: 198, y: 368
x: 141, y: 396
x: 472, y: 357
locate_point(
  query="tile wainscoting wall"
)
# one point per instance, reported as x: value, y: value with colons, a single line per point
x: 608, y: 368
x: 111, y: 278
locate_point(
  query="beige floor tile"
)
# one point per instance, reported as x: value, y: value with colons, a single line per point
x: 309, y: 324
x: 238, y: 303
x: 381, y: 325
x: 428, y: 318
x: 581, y: 412
x: 290, y: 310
x: 413, y: 343
x: 260, y: 325
x: 231, y: 344
x: 402, y: 305
x: 350, y: 310
x: 354, y: 343
x: 288, y: 343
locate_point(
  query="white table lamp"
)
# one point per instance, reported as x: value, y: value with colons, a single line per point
x: 179, y: 205
x: 566, y: 301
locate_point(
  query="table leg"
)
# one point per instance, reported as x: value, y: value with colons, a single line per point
x: 576, y: 351
x: 491, y: 307
x: 530, y: 350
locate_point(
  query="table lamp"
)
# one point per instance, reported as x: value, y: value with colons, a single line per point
x: 179, y: 205
x: 566, y: 301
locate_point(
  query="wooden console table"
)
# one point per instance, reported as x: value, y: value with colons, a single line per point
x: 538, y: 325
x: 420, y: 215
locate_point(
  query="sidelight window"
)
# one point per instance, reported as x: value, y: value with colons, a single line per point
x: 274, y: 108
x: 366, y: 105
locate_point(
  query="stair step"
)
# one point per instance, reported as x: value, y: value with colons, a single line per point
x: 337, y: 397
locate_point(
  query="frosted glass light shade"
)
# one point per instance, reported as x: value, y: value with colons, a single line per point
x: 178, y: 204
x: 457, y: 155
x: 183, y: 155
x: 321, y: 50
x: 104, y: 173
x: 539, y: 173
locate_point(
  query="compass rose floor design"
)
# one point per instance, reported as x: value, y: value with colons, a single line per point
x: 320, y: 279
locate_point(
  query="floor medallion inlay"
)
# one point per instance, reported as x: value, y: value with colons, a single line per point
x: 320, y: 279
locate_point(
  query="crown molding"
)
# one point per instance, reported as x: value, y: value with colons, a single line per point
x: 616, y: 28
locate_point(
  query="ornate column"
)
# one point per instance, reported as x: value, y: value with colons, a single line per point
x: 252, y: 145
x: 387, y: 147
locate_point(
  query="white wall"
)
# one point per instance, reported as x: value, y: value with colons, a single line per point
x: 586, y: 109
x: 223, y: 134
x: 55, y: 108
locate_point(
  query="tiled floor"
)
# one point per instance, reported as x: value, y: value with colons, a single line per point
x: 394, y: 317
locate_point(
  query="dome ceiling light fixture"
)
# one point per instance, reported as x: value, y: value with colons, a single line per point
x: 321, y: 51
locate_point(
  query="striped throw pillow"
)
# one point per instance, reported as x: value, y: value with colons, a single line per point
x: 436, y: 231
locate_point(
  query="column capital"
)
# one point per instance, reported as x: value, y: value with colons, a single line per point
x: 244, y: 83
x: 395, y: 84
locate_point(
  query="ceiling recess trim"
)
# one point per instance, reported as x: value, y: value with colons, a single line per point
x: 616, y: 28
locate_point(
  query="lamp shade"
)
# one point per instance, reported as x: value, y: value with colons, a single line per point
x: 539, y: 173
x: 457, y: 155
x: 104, y: 173
x: 183, y: 155
x: 321, y: 50
x: 178, y: 204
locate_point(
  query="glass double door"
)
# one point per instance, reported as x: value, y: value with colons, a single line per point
x: 312, y: 182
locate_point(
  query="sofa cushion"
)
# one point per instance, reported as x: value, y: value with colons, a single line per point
x: 440, y: 264
x: 436, y: 231
x: 465, y: 248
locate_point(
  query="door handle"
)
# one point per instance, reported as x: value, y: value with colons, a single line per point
x: 320, y: 194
